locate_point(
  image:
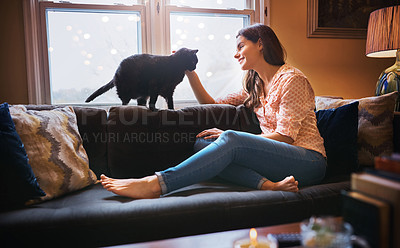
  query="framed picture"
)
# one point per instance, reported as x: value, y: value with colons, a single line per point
x: 346, y: 19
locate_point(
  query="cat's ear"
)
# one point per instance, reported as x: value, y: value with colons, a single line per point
x: 195, y: 51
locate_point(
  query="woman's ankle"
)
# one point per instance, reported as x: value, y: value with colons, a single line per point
x: 154, y: 185
x: 268, y: 185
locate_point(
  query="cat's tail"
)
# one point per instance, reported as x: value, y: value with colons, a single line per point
x: 100, y: 91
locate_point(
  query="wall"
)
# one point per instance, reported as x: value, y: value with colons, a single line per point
x: 333, y: 66
x: 13, y: 87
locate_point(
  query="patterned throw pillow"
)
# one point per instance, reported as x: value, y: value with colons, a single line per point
x: 375, y: 124
x: 54, y: 148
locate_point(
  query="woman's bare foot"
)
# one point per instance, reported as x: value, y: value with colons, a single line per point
x: 287, y: 184
x: 143, y: 188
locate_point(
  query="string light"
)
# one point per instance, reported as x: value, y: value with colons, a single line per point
x: 105, y: 19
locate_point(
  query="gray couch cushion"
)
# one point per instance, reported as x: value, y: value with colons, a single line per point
x: 95, y: 216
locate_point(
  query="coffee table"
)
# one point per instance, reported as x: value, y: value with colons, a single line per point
x: 218, y: 239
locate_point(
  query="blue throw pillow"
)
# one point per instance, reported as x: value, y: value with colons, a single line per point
x: 339, y: 128
x: 17, y: 181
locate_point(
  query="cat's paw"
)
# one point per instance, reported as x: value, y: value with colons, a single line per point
x: 154, y: 109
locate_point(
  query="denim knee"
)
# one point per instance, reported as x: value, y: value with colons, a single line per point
x: 230, y: 135
x: 201, y: 143
x: 230, y: 138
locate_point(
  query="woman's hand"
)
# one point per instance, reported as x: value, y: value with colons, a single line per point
x: 212, y: 133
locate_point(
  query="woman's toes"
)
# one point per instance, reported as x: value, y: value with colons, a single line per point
x: 290, y: 179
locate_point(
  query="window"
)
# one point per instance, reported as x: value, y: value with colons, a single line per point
x: 85, y: 48
x: 82, y: 43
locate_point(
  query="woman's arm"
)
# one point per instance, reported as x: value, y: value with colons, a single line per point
x: 200, y: 93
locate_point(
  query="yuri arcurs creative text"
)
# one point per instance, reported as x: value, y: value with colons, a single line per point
x: 139, y: 137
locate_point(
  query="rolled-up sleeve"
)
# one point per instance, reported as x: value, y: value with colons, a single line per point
x: 233, y: 98
x: 296, y: 101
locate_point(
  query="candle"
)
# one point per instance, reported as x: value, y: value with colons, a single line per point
x: 254, y: 242
x: 253, y: 238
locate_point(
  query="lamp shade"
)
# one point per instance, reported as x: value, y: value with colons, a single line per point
x: 383, y: 37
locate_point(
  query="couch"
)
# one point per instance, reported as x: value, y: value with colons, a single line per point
x: 131, y: 141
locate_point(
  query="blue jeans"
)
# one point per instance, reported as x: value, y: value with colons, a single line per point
x: 248, y: 160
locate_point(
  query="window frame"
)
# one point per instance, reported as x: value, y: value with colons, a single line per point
x: 173, y: 9
x: 44, y: 6
x: 155, y: 35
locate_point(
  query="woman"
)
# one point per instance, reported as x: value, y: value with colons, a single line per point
x: 289, y: 152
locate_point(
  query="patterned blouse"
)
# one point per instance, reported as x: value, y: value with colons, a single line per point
x: 288, y: 108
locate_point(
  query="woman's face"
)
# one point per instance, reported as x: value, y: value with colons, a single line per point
x: 248, y: 53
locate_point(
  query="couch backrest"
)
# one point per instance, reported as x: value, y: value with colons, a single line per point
x: 92, y: 124
x: 142, y: 142
x: 132, y: 141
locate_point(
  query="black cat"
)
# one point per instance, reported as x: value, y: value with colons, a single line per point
x: 141, y: 76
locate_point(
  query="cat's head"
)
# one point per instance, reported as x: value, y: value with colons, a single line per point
x: 188, y: 58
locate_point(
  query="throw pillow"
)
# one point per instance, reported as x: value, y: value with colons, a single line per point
x: 339, y: 129
x: 54, y: 147
x: 375, y: 124
x: 17, y: 181
x: 321, y: 101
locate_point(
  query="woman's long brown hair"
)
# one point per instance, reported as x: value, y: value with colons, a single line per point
x: 274, y: 54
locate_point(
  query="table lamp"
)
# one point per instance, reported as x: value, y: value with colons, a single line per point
x: 383, y: 40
